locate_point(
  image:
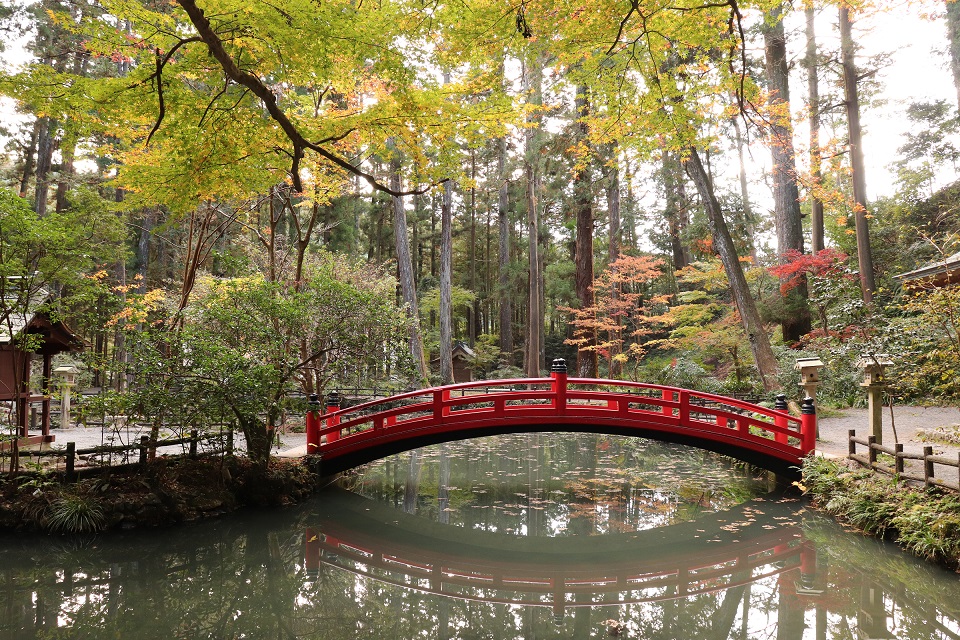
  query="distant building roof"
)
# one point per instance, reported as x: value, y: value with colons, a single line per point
x: 938, y: 274
x: 30, y: 318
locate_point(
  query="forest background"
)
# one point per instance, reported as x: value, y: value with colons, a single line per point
x: 231, y: 201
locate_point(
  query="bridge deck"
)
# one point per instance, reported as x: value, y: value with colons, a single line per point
x: 766, y: 437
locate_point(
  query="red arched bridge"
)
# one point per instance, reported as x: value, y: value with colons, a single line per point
x: 769, y: 438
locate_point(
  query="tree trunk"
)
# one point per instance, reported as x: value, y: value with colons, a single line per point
x: 723, y: 242
x: 446, y: 278
x: 532, y: 85
x: 28, y: 158
x: 864, y: 254
x: 613, y: 243
x: 675, y: 210
x: 446, y: 286
x: 748, y: 220
x: 953, y: 36
x: 503, y: 228
x: 583, y: 254
x: 473, y: 311
x: 45, y: 147
x: 795, y: 321
x: 813, y: 104
x: 405, y: 269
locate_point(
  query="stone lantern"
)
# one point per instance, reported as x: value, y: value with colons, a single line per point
x: 809, y: 369
x: 68, y: 379
x: 873, y: 366
x: 874, y: 381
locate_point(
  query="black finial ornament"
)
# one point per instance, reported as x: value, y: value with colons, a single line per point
x: 559, y: 365
x: 780, y: 404
x: 333, y: 399
x: 807, y: 407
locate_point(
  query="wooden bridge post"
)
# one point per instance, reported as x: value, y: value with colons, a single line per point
x: 333, y: 404
x: 311, y: 555
x: 313, y: 424
x: 780, y: 404
x: 808, y: 425
x: 558, y: 371
x: 71, y: 455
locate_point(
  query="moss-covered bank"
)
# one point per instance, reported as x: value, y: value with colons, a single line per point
x: 166, y: 492
x: 925, y: 521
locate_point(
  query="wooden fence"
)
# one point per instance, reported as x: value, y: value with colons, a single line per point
x: 928, y: 462
x: 222, y: 444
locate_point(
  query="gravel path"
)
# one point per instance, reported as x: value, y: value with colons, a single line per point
x: 907, y: 420
x: 833, y: 431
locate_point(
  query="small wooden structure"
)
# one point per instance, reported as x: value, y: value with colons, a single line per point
x: 462, y: 358
x: 936, y: 274
x: 15, y: 364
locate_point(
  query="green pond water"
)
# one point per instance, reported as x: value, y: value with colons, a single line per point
x: 519, y: 536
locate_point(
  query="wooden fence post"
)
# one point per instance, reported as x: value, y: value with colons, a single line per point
x: 872, y: 453
x: 71, y: 462
x: 851, y: 444
x: 193, y: 443
x: 144, y: 442
x: 898, y: 463
x: 927, y: 466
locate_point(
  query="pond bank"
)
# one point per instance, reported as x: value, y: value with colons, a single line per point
x: 924, y: 521
x: 167, y: 491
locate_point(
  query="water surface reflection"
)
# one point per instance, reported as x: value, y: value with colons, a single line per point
x: 533, y: 544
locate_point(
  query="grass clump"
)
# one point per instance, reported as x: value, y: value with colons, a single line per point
x: 925, y: 521
x: 75, y: 513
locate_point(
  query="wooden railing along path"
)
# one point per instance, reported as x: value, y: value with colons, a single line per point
x: 899, y: 468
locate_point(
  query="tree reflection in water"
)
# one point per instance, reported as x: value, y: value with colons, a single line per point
x: 517, y: 537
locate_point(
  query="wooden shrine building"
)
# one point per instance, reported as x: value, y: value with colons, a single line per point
x: 942, y: 273
x: 23, y: 338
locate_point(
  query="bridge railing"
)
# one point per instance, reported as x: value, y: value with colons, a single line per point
x: 563, y: 399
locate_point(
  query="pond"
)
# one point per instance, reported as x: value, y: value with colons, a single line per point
x: 517, y: 536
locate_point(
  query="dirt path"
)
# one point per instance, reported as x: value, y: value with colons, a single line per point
x: 908, y: 421
x: 833, y: 431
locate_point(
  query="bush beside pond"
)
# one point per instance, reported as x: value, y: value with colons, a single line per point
x: 925, y: 521
x: 168, y: 491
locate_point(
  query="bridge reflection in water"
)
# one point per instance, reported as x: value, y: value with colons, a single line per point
x: 368, y: 539
x: 656, y: 568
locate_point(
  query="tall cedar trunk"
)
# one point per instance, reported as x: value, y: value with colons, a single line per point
x: 28, y: 158
x: 613, y: 245
x: 953, y: 37
x: 405, y: 269
x: 473, y: 312
x: 813, y: 105
x: 446, y: 293
x: 795, y: 322
x: 532, y: 86
x: 68, y: 146
x: 583, y: 254
x: 446, y: 278
x: 45, y: 148
x: 675, y: 209
x: 864, y: 254
x: 503, y: 229
x: 723, y: 242
x: 748, y: 220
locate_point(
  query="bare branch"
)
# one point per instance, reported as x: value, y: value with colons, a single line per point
x: 259, y: 89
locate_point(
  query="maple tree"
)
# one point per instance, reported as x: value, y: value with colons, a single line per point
x: 615, y: 325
